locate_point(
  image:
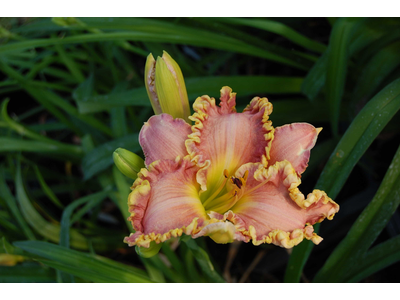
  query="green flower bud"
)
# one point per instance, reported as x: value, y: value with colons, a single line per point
x: 166, y: 87
x: 148, y: 252
x: 127, y: 162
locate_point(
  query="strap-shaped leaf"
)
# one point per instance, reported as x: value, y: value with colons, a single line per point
x: 91, y: 267
x: 348, y: 258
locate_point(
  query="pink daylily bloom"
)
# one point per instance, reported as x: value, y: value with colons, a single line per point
x: 230, y: 176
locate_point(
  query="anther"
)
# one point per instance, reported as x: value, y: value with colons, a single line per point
x: 226, y: 174
x: 237, y: 182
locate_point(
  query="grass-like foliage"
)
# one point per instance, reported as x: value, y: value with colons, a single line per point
x: 72, y: 91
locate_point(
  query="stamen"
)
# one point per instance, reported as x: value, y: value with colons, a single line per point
x: 215, y: 194
x: 257, y: 186
x: 225, y: 204
x: 225, y: 201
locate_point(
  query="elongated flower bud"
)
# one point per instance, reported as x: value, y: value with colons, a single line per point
x: 166, y: 87
x: 127, y: 162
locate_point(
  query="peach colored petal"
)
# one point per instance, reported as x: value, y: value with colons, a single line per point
x: 164, y: 202
x: 293, y: 142
x: 273, y: 210
x: 223, y: 139
x: 162, y: 137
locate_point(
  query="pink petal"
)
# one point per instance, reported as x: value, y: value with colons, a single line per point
x: 293, y: 142
x: 273, y: 210
x: 163, y: 137
x: 165, y: 202
x: 223, y: 139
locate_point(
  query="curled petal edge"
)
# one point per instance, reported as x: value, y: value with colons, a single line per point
x: 144, y: 240
x: 257, y: 104
x: 285, y: 239
x: 292, y: 181
x: 280, y: 237
x: 203, y: 105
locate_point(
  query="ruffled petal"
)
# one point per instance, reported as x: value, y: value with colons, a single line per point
x: 293, y: 142
x: 163, y: 137
x: 219, y: 232
x: 223, y: 139
x: 273, y: 210
x: 164, y: 202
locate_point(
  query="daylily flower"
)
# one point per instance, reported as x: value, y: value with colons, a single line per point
x: 230, y: 176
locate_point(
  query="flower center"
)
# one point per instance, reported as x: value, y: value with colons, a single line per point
x: 227, y: 194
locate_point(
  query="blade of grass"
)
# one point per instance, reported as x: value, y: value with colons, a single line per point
x: 70, y: 63
x: 379, y: 257
x: 168, y: 272
x: 41, y: 226
x: 203, y: 260
x: 26, y: 273
x: 337, y: 59
x: 173, y: 259
x: 341, y: 264
x: 66, y: 224
x: 362, y: 37
x: 12, y: 144
x: 87, y: 266
x: 123, y: 193
x: 12, y: 204
x: 177, y: 35
x: 278, y: 28
x: 46, y: 189
x: 376, y: 70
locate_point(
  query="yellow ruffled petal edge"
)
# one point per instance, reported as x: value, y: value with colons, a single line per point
x: 138, y: 205
x: 257, y: 104
x: 144, y: 240
x: 285, y: 239
x: 279, y: 237
x: 202, y: 107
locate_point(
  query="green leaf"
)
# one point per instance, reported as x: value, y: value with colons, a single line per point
x: 363, y: 130
x: 365, y: 35
x: 165, y: 33
x: 91, y: 267
x: 344, y: 263
x: 12, y: 204
x: 123, y: 193
x: 12, y: 144
x: 337, y: 59
x: 376, y: 70
x: 47, y: 190
x: 203, y: 260
x: 28, y: 272
x: 278, y: 28
x: 101, y: 157
x: 44, y: 228
x: 297, y: 262
x: 66, y: 216
x: 379, y: 257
